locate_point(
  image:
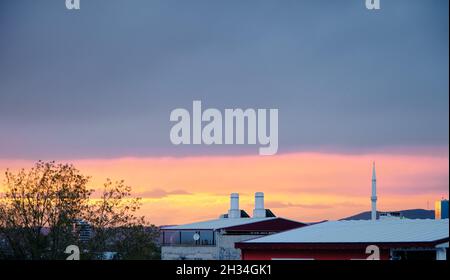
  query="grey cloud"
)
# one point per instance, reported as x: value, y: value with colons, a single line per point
x: 102, y: 82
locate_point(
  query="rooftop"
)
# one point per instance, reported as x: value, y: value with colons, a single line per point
x: 218, y: 223
x: 360, y: 231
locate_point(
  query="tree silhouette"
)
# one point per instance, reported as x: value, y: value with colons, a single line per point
x: 41, y: 209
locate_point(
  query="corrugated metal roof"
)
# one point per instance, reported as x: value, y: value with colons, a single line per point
x: 401, y: 230
x: 218, y: 223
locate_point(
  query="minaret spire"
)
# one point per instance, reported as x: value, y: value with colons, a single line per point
x: 373, y: 198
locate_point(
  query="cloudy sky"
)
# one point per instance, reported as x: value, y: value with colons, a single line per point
x: 95, y: 87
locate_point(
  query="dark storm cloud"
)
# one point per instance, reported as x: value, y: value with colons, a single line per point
x: 101, y: 82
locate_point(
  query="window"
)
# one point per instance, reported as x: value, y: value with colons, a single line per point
x: 425, y: 254
x: 206, y: 237
x: 171, y: 237
x: 189, y: 237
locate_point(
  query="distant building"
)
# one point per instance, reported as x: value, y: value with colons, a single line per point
x: 441, y: 209
x: 390, y: 215
x: 389, y: 239
x: 405, y: 214
x: 215, y: 239
x: 84, y: 230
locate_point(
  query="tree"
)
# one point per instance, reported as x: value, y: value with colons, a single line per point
x: 138, y: 242
x: 48, y: 197
x: 40, y: 209
x: 116, y: 226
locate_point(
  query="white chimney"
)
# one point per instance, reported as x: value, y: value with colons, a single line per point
x: 234, y: 211
x: 259, y: 211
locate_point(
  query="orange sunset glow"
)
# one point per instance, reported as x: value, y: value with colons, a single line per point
x: 302, y: 186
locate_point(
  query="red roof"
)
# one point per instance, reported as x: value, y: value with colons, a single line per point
x: 272, y: 225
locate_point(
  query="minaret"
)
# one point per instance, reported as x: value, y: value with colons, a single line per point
x: 373, y: 198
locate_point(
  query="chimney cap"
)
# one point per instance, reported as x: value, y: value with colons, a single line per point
x: 259, y: 211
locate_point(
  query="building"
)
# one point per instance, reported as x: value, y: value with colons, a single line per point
x: 215, y: 239
x: 84, y: 230
x: 441, y: 209
x: 390, y: 215
x: 388, y: 239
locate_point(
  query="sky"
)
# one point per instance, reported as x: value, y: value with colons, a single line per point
x: 95, y: 87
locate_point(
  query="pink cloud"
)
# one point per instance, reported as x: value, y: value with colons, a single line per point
x: 304, y: 186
